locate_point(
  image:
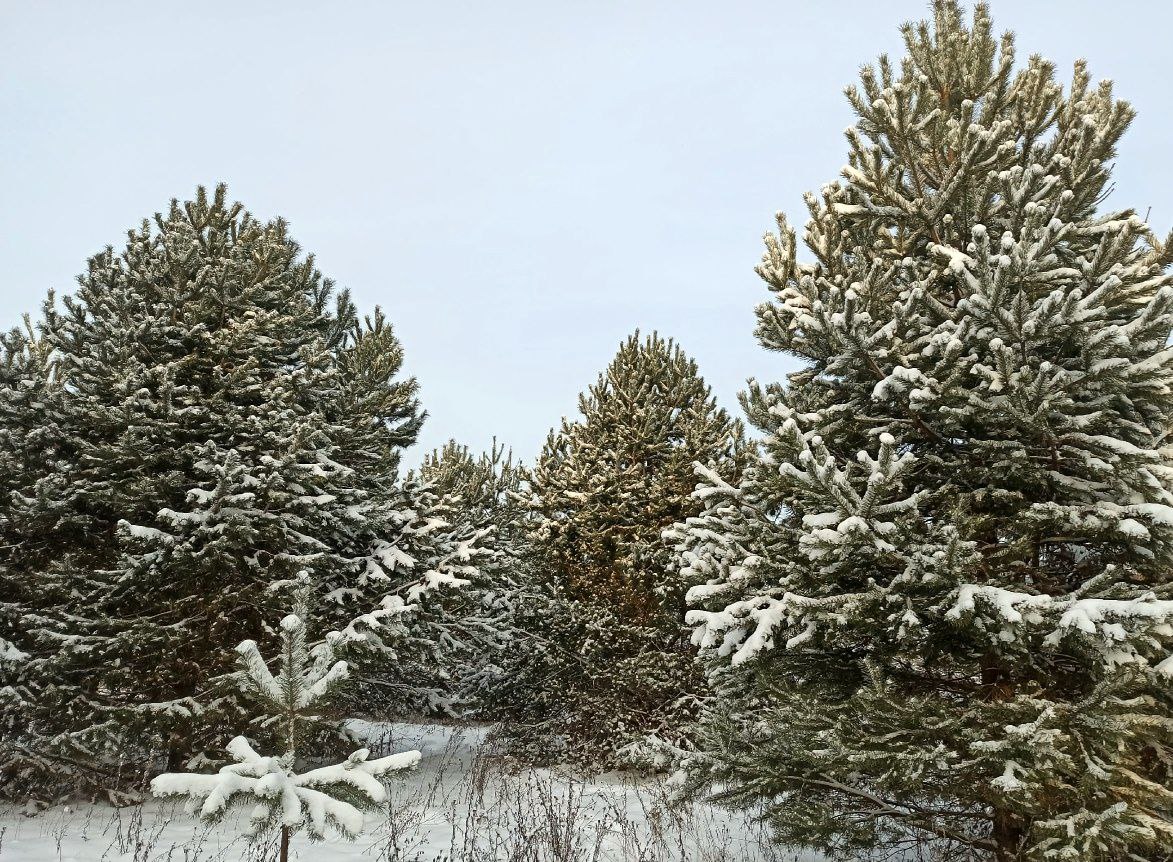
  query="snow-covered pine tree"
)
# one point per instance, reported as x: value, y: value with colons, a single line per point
x: 225, y: 421
x: 24, y: 389
x: 290, y: 701
x: 609, y: 661
x: 938, y: 607
x: 487, y: 493
x: 425, y: 631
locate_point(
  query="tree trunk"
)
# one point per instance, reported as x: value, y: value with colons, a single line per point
x: 1008, y: 835
x: 1008, y: 832
x: 284, y: 857
x: 176, y: 753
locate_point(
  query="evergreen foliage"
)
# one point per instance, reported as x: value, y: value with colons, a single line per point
x: 425, y: 630
x: 25, y: 390
x: 216, y: 420
x: 933, y: 604
x: 485, y: 487
x: 939, y: 606
x: 487, y: 493
x: 609, y: 661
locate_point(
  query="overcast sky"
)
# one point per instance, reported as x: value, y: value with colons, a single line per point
x: 519, y: 184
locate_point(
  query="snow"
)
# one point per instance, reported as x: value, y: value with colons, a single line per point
x: 148, y: 533
x: 290, y: 794
x: 318, y: 688
x: 822, y: 520
x: 1083, y: 614
x: 258, y: 671
x: 459, y: 803
x: 9, y: 652
x: 1091, y: 616
x: 1080, y: 613
x: 391, y: 557
x: 765, y: 614
x: 899, y: 380
x: 1008, y: 782
x: 1159, y: 514
x: 713, y: 483
x: 1006, y: 602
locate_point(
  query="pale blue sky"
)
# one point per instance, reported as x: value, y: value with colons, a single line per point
x: 519, y: 184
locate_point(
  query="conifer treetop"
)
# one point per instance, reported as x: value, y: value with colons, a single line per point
x: 955, y: 149
x: 650, y: 398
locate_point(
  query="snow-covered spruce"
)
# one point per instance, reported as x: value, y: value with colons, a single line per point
x: 281, y: 796
x: 29, y: 479
x: 439, y: 569
x: 939, y: 606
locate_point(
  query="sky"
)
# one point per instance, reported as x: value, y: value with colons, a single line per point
x: 519, y: 184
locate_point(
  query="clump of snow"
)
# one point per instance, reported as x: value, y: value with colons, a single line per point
x: 9, y: 652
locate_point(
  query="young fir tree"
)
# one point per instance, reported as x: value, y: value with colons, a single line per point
x: 292, y: 702
x: 608, y: 661
x: 939, y: 606
x: 221, y: 420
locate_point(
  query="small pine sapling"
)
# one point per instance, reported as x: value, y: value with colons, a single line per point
x: 327, y: 796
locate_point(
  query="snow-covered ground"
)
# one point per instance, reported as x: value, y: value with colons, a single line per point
x: 459, y: 805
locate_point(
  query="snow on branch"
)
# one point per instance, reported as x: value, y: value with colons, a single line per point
x: 1105, y: 619
x: 283, y: 796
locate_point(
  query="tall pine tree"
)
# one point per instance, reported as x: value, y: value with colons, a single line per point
x: 939, y: 606
x: 221, y: 424
x: 609, y: 661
